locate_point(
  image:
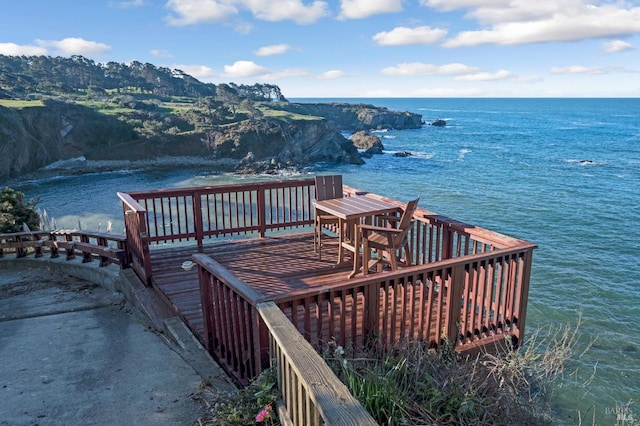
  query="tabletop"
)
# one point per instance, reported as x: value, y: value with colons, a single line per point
x: 348, y: 208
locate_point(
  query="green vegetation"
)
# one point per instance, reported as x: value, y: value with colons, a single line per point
x: 253, y: 404
x: 19, y: 104
x: 156, y: 102
x: 417, y: 385
x: 14, y: 211
x: 420, y: 386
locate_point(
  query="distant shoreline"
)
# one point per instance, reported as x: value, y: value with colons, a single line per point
x: 80, y: 165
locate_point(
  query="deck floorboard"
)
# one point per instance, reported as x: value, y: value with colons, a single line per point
x: 273, y: 266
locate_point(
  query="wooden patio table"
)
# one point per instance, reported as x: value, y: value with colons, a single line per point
x: 352, y: 211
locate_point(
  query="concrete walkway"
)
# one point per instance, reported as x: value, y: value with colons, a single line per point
x: 75, y: 351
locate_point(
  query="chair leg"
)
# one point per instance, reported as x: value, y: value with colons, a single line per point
x: 379, y: 260
x: 407, y: 255
x: 365, y: 257
x: 318, y: 233
x: 393, y: 260
x: 315, y: 235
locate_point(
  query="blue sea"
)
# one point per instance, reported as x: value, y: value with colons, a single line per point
x: 561, y: 173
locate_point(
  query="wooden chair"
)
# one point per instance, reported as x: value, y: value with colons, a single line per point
x: 327, y: 187
x: 388, y: 240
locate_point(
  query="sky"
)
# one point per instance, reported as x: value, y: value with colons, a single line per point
x: 352, y: 48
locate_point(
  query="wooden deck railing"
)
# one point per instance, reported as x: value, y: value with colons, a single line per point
x: 135, y: 221
x: 467, y: 300
x: 311, y: 393
x: 247, y: 336
x: 191, y: 215
x: 105, y: 246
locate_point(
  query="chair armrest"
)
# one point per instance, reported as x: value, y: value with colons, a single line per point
x: 378, y: 228
x: 382, y: 229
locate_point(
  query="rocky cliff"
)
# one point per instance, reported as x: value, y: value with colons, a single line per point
x: 355, y: 117
x: 271, y: 144
x: 35, y: 137
x: 31, y: 138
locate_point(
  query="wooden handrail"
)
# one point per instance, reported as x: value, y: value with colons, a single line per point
x: 311, y: 392
x: 232, y: 327
x: 106, y: 246
x: 136, y: 224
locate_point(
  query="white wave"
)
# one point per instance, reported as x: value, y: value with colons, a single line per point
x: 462, y: 153
x: 389, y: 137
x: 414, y: 154
x: 584, y: 162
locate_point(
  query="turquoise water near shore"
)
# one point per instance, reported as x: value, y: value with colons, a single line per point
x: 561, y: 173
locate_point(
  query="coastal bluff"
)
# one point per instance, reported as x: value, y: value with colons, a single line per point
x: 356, y: 117
x: 69, y: 138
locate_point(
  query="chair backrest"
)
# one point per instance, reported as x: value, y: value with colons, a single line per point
x: 405, y: 222
x: 328, y: 187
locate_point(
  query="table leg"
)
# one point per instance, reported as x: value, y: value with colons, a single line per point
x: 355, y: 238
x: 340, y: 241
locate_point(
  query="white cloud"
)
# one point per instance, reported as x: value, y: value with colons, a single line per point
x: 332, y: 75
x: 485, y: 76
x: 578, y: 69
x: 189, y: 12
x: 401, y: 36
x: 197, y: 71
x: 159, y: 53
x: 243, y: 69
x: 517, y: 22
x: 12, y: 49
x: 359, y: 9
x: 616, y: 46
x: 448, y: 5
x: 526, y: 78
x: 127, y: 4
x: 282, y: 10
x: 418, y: 68
x: 287, y: 73
x: 275, y: 49
x: 76, y: 46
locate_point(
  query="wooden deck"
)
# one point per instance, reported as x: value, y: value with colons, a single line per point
x: 276, y: 267
x: 467, y: 284
x: 273, y: 266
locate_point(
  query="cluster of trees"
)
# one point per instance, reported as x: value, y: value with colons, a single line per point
x: 24, y: 75
x: 138, y: 89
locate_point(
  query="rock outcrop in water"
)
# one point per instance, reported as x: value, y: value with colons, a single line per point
x: 371, y: 144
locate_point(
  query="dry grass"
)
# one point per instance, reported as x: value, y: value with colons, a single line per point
x: 420, y: 386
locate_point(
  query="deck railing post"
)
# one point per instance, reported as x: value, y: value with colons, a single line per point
x: 206, y: 298
x: 372, y: 310
x: 456, y: 288
x: 527, y: 259
x: 262, y: 211
x: 143, y: 236
x: 447, y: 242
x: 197, y: 218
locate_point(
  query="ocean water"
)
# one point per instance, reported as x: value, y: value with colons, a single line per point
x: 561, y: 173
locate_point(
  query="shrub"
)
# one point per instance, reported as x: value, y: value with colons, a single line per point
x: 15, y: 211
x: 416, y: 385
x: 253, y: 404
